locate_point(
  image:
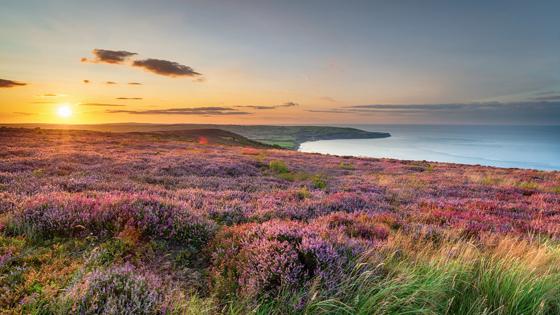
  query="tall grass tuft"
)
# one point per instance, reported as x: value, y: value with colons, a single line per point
x: 455, y: 277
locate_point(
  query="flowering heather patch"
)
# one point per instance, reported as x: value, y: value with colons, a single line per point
x: 64, y: 214
x: 262, y: 259
x: 118, y: 290
x: 236, y: 229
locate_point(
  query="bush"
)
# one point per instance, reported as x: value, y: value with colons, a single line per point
x: 261, y: 260
x: 118, y: 290
x: 106, y: 215
x: 319, y: 182
x: 346, y: 165
x: 279, y: 167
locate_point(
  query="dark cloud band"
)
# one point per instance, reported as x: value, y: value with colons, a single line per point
x: 203, y: 111
x: 261, y: 107
x: 166, y: 68
x: 528, y: 112
x: 110, y: 56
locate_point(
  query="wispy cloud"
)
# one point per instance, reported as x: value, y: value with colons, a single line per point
x: 260, y: 107
x: 533, y: 112
x: 451, y: 107
x: 10, y: 83
x: 166, y: 68
x: 129, y: 98
x: 102, y: 104
x: 335, y: 111
x: 204, y: 111
x: 49, y: 95
x: 134, y: 83
x: 111, y: 82
x: 24, y: 113
x: 43, y: 102
x: 109, y: 56
x: 328, y: 99
x: 86, y: 81
x: 551, y: 97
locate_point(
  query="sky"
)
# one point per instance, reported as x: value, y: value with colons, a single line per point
x: 280, y: 62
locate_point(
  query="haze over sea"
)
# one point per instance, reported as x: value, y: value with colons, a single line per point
x: 534, y: 147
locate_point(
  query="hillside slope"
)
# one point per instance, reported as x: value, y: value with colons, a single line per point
x: 97, y: 222
x: 289, y: 137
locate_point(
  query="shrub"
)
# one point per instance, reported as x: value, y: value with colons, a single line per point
x: 107, y: 215
x: 346, y: 165
x: 278, y: 166
x: 319, y: 182
x: 118, y: 290
x: 528, y: 185
x: 261, y: 260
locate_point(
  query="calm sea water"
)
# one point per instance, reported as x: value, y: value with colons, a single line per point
x: 536, y: 147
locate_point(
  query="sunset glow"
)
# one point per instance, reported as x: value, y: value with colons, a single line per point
x: 64, y: 111
x: 279, y: 157
x: 280, y: 62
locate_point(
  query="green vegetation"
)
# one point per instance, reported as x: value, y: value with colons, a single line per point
x: 346, y: 165
x: 451, y: 277
x: 289, y: 137
x: 279, y: 167
x: 319, y: 182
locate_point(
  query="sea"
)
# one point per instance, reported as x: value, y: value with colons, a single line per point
x: 529, y: 147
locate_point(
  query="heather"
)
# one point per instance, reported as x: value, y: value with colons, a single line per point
x: 134, y: 223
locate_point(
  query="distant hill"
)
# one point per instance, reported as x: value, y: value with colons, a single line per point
x: 206, y: 136
x: 284, y: 136
x: 199, y: 136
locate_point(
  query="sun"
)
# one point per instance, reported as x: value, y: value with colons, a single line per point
x: 64, y: 111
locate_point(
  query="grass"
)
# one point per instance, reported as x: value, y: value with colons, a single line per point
x: 455, y: 277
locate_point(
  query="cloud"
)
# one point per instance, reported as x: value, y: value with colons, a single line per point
x: 337, y: 111
x: 102, y: 104
x: 552, y: 97
x: 259, y: 107
x: 204, y: 111
x: 129, y: 98
x: 110, y: 82
x: 450, y: 107
x: 166, y: 68
x: 157, y: 66
x: 86, y: 81
x: 43, y: 102
x: 328, y: 99
x: 10, y: 83
x: 24, y: 113
x: 529, y: 112
x: 134, y: 83
x: 109, y: 56
x: 49, y: 94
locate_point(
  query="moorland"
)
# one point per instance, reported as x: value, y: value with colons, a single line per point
x: 209, y: 222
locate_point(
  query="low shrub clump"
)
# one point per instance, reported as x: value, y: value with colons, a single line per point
x: 66, y: 215
x: 117, y: 290
x: 279, y: 167
x: 260, y: 260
